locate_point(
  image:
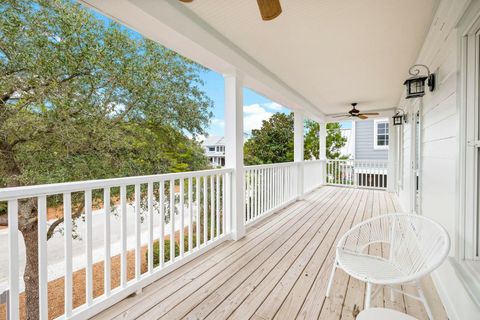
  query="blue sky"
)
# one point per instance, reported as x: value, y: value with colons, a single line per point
x: 256, y: 107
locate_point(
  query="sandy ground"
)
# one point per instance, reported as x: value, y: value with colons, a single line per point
x: 56, y: 290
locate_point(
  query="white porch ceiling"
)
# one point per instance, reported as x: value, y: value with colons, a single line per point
x: 332, y: 52
x: 318, y: 55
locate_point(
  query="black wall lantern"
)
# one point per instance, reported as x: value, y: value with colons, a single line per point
x: 399, y: 117
x: 416, y: 84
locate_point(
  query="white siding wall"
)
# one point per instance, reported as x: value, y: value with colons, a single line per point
x: 439, y: 148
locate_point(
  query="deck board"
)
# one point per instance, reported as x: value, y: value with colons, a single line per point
x: 278, y: 270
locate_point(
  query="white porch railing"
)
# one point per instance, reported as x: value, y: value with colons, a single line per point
x: 189, y: 211
x: 357, y: 173
x: 269, y: 187
x: 190, y: 207
x: 272, y: 186
x: 313, y: 172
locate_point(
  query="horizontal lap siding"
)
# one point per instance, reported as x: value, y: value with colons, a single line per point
x: 364, y: 149
x: 440, y: 147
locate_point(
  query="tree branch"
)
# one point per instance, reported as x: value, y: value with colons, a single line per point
x: 78, y: 212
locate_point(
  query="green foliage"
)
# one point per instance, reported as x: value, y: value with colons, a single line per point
x: 272, y: 143
x: 83, y: 99
x: 335, y: 140
x: 156, y: 249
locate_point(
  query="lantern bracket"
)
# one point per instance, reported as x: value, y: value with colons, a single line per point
x: 415, y: 72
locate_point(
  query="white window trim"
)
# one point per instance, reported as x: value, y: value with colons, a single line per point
x: 375, y: 130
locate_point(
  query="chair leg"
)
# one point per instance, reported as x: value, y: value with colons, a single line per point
x: 330, y: 282
x: 368, y: 295
x: 424, y: 300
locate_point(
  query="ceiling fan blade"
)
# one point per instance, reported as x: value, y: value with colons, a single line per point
x: 362, y: 116
x: 269, y: 9
x: 342, y: 116
x: 186, y: 0
x: 370, y: 113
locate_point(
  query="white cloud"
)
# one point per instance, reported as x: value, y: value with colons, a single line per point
x: 274, y: 106
x: 254, y: 114
x: 218, y: 122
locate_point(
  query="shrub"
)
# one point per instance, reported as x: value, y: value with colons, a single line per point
x: 156, y: 249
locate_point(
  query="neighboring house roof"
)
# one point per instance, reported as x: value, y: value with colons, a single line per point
x: 214, y: 141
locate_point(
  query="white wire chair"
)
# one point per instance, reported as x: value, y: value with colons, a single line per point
x: 415, y: 247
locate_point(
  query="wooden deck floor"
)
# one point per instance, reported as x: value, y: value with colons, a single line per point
x: 279, y: 270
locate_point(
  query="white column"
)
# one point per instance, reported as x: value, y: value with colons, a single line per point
x: 234, y: 152
x: 322, y: 150
x: 298, y: 148
x: 322, y: 136
x: 392, y: 156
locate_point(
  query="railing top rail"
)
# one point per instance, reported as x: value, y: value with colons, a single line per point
x: 57, y: 188
x: 359, y: 160
x: 272, y: 165
x: 314, y: 161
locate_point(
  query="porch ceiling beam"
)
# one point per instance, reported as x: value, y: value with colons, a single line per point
x: 172, y: 25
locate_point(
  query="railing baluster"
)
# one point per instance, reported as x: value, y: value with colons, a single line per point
x: 161, y: 247
x: 254, y: 196
x: 280, y: 176
x: 212, y: 208
x: 190, y: 216
x: 276, y: 186
x: 197, y: 220
x: 13, y: 260
x: 88, y: 247
x: 107, y: 242
x: 138, y: 233
x: 205, y: 210
x: 271, y: 189
x: 247, y: 195
x: 257, y: 196
x: 67, y: 220
x: 123, y: 236
x: 228, y: 204
x: 172, y: 221
x: 224, y: 202
x: 150, y: 226
x: 217, y: 207
x: 263, y: 190
x: 42, y: 257
x: 182, y: 218
x: 260, y: 192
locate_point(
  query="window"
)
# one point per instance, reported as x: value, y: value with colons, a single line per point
x: 211, y: 149
x: 380, y: 136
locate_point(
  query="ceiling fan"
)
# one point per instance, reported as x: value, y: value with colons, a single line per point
x: 269, y: 9
x: 355, y: 113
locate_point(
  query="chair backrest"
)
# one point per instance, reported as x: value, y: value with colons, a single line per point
x: 416, y: 244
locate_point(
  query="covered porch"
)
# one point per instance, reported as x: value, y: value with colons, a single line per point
x: 258, y: 241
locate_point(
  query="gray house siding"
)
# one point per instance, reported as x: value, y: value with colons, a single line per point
x: 364, y: 142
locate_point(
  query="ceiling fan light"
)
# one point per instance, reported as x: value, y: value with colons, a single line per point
x: 269, y: 9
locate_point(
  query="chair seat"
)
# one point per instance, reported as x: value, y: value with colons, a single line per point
x: 383, y: 314
x: 369, y: 268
